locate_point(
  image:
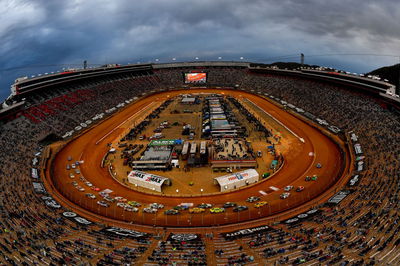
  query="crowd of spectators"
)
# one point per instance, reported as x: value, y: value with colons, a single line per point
x: 362, y: 230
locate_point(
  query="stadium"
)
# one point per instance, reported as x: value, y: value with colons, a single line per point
x: 200, y: 163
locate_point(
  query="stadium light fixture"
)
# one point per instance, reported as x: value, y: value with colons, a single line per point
x: 173, y: 59
x: 219, y: 57
x: 196, y: 58
x: 177, y: 190
x: 241, y: 58
x: 157, y: 60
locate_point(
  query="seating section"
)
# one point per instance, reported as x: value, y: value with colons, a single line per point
x: 362, y: 230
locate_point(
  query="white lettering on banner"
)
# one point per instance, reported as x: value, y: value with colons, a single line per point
x: 147, y: 177
x: 247, y: 231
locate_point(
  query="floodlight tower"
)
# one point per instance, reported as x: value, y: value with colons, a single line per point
x: 302, y: 59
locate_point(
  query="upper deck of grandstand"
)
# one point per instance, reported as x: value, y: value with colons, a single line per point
x: 24, y: 88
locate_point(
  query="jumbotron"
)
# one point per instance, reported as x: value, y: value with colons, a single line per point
x: 200, y: 163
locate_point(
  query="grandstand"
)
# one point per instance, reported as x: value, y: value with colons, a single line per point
x: 358, y: 225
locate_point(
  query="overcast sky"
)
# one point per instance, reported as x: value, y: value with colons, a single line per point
x: 38, y: 36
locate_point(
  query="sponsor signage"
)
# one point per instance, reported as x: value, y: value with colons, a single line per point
x: 338, y: 197
x: 183, y: 237
x: 34, y: 173
x: 150, y: 178
x: 69, y: 214
x: 81, y: 220
x: 354, y: 180
x: 357, y: 149
x: 301, y: 217
x: 52, y: 204
x: 115, y: 231
x: 38, y: 187
x: 246, y: 232
x: 165, y: 142
x: 354, y: 137
x: 74, y: 217
x: 237, y: 176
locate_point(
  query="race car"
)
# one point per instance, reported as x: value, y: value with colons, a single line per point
x: 196, y: 210
x: 156, y: 206
x: 308, y: 178
x: 120, y: 199
x: 252, y: 199
x: 217, y: 210
x: 181, y: 207
x: 260, y: 204
x: 285, y: 195
x: 150, y: 210
x: 171, y: 212
x: 288, y: 188
x: 240, y: 208
x: 108, y: 198
x: 299, y: 188
x: 90, y: 195
x: 314, y: 178
x: 121, y: 204
x: 103, y: 203
x: 318, y: 165
x: 134, y: 203
x: 205, y: 205
x: 131, y: 209
x: 103, y: 194
x: 229, y: 204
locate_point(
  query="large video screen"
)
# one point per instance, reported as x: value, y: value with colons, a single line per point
x: 195, y: 77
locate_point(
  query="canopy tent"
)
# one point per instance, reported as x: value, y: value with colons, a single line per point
x: 236, y: 180
x: 146, y: 180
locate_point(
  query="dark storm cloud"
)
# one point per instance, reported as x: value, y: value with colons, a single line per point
x: 42, y: 32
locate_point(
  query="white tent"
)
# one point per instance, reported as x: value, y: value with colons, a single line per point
x: 146, y: 180
x: 236, y: 180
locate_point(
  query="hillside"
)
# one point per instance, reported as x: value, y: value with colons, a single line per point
x: 284, y: 65
x: 390, y: 73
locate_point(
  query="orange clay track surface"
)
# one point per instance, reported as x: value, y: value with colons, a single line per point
x: 297, y: 165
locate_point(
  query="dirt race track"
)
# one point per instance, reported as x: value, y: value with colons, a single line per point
x: 91, y: 146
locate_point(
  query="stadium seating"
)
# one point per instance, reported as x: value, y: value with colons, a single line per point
x: 363, y: 229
